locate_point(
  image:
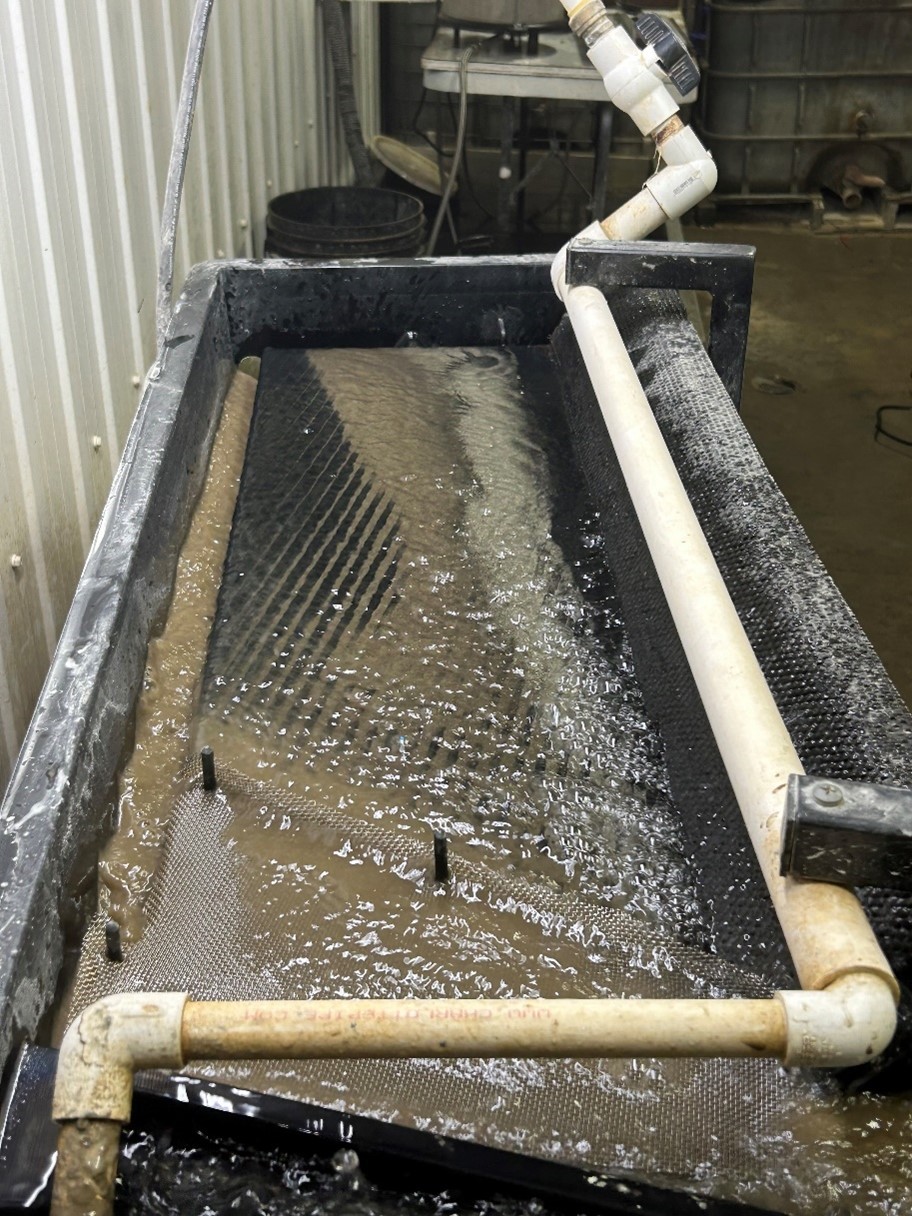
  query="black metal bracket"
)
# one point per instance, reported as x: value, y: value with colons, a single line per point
x: 848, y: 832
x: 726, y: 272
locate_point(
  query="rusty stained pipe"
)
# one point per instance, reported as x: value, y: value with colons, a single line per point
x: 854, y: 181
x: 111, y: 1039
x: 849, y: 1022
x: 446, y: 1028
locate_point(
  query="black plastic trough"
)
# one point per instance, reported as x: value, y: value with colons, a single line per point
x: 845, y: 716
x: 58, y: 804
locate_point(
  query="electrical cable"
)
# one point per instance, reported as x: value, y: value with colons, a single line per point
x: 880, y: 429
x: 531, y: 175
x: 416, y: 130
x: 458, y: 148
x: 437, y: 149
x: 558, y: 197
x: 571, y: 173
x: 461, y: 164
x: 467, y: 170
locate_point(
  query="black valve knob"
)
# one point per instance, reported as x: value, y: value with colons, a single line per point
x: 671, y: 50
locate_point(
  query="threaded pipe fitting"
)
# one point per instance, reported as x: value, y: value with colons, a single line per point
x: 590, y: 21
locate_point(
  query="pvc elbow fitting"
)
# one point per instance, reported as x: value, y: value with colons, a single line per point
x: 680, y: 145
x: 848, y: 1023
x: 709, y: 174
x: 677, y: 188
x: 107, y: 1043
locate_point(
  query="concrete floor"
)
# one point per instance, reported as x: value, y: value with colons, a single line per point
x: 833, y: 315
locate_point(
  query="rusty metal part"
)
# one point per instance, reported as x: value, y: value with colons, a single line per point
x: 854, y: 181
x: 848, y: 172
x: 589, y: 21
x: 851, y: 195
x: 858, y: 177
x: 851, y: 185
x: 667, y: 129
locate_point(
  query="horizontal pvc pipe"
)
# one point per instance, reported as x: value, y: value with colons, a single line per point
x: 348, y: 1029
x: 825, y: 927
x: 110, y: 1040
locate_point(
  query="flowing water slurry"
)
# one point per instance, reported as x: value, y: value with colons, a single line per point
x: 416, y: 630
x: 480, y: 689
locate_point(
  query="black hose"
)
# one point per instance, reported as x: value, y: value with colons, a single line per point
x: 457, y: 150
x: 336, y: 37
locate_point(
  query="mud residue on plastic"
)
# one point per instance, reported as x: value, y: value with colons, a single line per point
x: 170, y: 688
x: 87, y: 1151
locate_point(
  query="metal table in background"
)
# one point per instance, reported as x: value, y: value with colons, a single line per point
x: 502, y: 67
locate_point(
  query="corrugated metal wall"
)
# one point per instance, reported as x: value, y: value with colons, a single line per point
x: 87, y: 94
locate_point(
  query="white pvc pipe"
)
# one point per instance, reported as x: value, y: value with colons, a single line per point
x: 440, y: 1027
x: 826, y: 929
x: 849, y: 1023
x: 636, y: 84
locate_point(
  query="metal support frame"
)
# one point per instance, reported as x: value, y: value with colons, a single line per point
x: 851, y: 832
x: 726, y: 272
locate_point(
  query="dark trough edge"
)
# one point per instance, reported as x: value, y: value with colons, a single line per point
x: 393, y: 1157
x: 57, y: 806
x: 441, y: 302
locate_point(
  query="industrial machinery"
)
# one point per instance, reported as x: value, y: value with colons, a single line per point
x: 461, y: 780
x: 808, y: 104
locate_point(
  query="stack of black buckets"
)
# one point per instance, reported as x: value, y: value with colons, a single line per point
x: 344, y: 222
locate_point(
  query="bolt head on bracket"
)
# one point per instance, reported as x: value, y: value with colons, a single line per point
x: 848, y: 832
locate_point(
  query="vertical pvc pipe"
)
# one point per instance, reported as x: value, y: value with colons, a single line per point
x: 178, y: 163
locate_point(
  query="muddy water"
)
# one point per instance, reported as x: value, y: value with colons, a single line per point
x: 488, y: 694
x: 170, y: 692
x: 164, y: 1174
x: 488, y: 691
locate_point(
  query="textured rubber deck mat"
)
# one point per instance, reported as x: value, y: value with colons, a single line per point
x: 845, y: 717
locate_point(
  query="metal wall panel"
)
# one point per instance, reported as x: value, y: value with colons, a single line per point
x: 88, y: 90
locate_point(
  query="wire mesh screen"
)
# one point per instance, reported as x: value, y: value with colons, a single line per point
x: 424, y: 625
x: 362, y: 916
x: 845, y: 717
